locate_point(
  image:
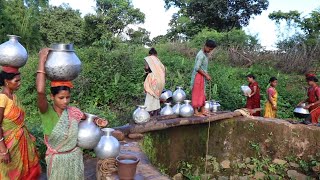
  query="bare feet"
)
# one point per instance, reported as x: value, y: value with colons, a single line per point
x: 199, y: 114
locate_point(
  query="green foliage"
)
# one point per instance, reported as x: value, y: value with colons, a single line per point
x: 61, y: 25
x: 220, y: 15
x: 139, y: 37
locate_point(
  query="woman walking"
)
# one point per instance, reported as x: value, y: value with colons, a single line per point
x: 60, y: 126
x: 19, y: 159
x: 271, y: 104
x: 154, y: 82
x: 253, y: 99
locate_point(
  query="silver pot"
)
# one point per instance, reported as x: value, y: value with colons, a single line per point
x: 62, y: 63
x: 179, y: 95
x: 301, y: 112
x: 186, y: 109
x: 89, y: 133
x: 245, y: 89
x: 166, y: 110
x: 176, y: 108
x: 207, y: 106
x: 141, y: 115
x: 12, y: 53
x: 108, y: 146
x: 215, y: 106
x: 165, y: 95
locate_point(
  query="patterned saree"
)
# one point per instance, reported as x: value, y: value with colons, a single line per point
x: 64, y: 159
x: 24, y: 163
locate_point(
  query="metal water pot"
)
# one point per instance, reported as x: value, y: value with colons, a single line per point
x: 166, y: 94
x: 207, y: 106
x: 62, y: 63
x: 216, y: 106
x: 89, y: 133
x: 176, y: 108
x: 166, y: 110
x: 179, y: 95
x: 246, y: 90
x: 108, y: 146
x: 12, y: 53
x: 141, y: 115
x: 186, y: 109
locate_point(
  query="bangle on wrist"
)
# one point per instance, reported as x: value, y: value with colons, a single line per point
x: 39, y: 71
x: 5, y: 153
x: 2, y: 139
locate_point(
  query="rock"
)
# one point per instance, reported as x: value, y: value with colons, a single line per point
x: 316, y: 169
x: 259, y: 175
x: 223, y: 178
x: 251, y: 167
x: 295, y: 165
x: 135, y: 136
x: 279, y: 161
x: 118, y: 135
x: 225, y: 164
x: 206, y: 176
x: 234, y: 177
x: 178, y: 176
x: 243, y: 177
x: 247, y: 160
x: 293, y: 174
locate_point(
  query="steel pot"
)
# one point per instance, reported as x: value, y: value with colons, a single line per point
x: 62, y: 63
x: 246, y: 90
x: 12, y: 53
x: 186, y: 109
x: 179, y: 95
x: 89, y: 133
x: 207, y: 106
x: 166, y: 94
x: 176, y: 108
x: 166, y: 110
x: 301, y: 112
x: 141, y: 115
x: 215, y: 106
x: 108, y: 146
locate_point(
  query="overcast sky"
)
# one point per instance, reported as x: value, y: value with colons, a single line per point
x: 157, y: 18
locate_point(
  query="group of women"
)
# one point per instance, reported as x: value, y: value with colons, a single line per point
x: 313, y: 100
x: 19, y: 159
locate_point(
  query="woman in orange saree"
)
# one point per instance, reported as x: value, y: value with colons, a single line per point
x: 19, y: 159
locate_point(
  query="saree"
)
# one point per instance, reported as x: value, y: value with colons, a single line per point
x: 269, y: 111
x: 24, y: 163
x: 64, y: 159
x: 198, y: 96
x: 253, y: 102
x: 154, y: 83
x: 313, y: 96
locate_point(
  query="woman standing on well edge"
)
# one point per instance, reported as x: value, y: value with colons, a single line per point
x: 18, y: 156
x: 60, y: 125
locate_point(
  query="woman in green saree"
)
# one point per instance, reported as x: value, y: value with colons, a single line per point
x: 60, y: 125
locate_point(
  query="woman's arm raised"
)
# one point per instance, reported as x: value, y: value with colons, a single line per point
x: 41, y: 81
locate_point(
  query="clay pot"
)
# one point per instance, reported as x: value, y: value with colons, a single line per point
x: 127, y: 165
x: 12, y: 53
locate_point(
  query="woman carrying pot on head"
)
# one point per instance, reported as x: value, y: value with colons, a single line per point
x: 154, y: 82
x: 271, y: 104
x: 60, y: 127
x: 253, y: 99
x: 19, y: 159
x: 313, y: 100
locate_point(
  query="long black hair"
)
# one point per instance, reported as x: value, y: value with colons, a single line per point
x: 153, y: 51
x: 312, y: 78
x: 6, y: 76
x: 56, y: 90
x: 251, y: 76
x: 272, y: 79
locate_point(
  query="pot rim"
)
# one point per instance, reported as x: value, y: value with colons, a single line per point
x: 107, y: 130
x: 129, y: 157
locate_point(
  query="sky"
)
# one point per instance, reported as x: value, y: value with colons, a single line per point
x: 157, y: 18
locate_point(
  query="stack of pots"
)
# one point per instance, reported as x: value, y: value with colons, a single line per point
x: 179, y: 97
x: 12, y: 53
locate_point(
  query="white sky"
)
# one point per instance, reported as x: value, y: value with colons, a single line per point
x: 157, y: 18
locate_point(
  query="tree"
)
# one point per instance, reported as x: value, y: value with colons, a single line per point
x: 221, y: 15
x: 61, y: 25
x: 112, y: 17
x: 140, y: 36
